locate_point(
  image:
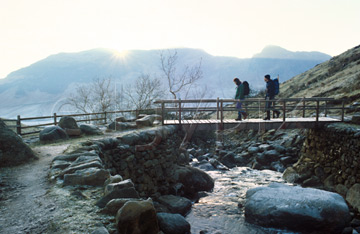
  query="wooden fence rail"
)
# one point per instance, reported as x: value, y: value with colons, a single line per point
x: 100, y: 116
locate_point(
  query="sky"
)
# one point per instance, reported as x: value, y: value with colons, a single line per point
x: 31, y: 30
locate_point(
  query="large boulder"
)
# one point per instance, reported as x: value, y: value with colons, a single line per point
x: 296, y: 208
x: 121, y: 126
x: 53, y: 133
x: 173, y: 223
x: 68, y: 122
x: 193, y: 179
x: 137, y: 217
x: 13, y: 151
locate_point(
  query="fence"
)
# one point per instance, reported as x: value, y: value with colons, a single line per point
x: 89, y: 117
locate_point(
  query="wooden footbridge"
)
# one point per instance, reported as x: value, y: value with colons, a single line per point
x: 212, y: 114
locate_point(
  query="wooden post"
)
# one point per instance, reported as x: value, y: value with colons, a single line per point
x: 343, y: 110
x: 325, y: 108
x: 221, y: 114
x: 136, y: 113
x: 179, y: 111
x: 55, y: 122
x: 217, y: 108
x: 284, y: 110
x: 303, y: 108
x: 317, y: 110
x: 162, y: 112
x: 18, y: 125
x: 105, y: 117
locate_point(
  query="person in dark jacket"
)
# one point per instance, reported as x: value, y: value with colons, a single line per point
x: 270, y: 95
x: 240, y: 96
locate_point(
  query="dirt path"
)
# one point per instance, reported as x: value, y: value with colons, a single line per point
x: 25, y: 206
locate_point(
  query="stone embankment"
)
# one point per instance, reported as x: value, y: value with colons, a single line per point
x: 142, y: 182
x: 330, y: 160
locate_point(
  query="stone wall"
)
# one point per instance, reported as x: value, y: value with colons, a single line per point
x: 329, y: 159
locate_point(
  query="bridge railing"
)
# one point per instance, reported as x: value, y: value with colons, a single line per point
x: 290, y: 107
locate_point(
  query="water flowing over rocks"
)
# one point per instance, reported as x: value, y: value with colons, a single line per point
x: 296, y: 208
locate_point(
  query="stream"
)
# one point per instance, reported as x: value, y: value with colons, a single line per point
x: 222, y: 210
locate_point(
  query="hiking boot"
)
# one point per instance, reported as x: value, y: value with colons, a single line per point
x: 238, y: 119
x: 266, y: 118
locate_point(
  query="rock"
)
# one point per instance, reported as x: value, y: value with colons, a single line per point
x: 228, y: 160
x: 72, y: 132
x: 341, y: 189
x: 61, y: 164
x: 176, y: 204
x: 89, y: 176
x: 73, y: 157
x: 130, y: 139
x: 296, y: 208
x: 114, y: 205
x: 68, y: 122
x: 253, y: 150
x: 121, y: 119
x: 137, y: 217
x: 313, y: 181
x: 218, y: 165
x: 264, y: 147
x: 90, y: 129
x: 146, y: 121
x: 13, y: 151
x: 53, y: 133
x: 193, y: 179
x: 118, y: 186
x: 121, y: 126
x: 290, y: 175
x: 113, y: 179
x: 120, y: 193
x: 353, y: 196
x: 100, y: 230
x: 356, y: 118
x: 173, y: 223
x: 76, y: 167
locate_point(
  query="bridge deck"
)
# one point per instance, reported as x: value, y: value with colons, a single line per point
x: 256, y: 124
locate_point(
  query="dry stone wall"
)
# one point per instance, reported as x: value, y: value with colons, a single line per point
x: 332, y: 155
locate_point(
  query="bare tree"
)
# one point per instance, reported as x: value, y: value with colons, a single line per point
x: 144, y: 92
x: 182, y: 81
x: 98, y: 96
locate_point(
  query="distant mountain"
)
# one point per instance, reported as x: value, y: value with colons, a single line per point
x: 36, y: 89
x: 277, y: 52
x: 337, y: 78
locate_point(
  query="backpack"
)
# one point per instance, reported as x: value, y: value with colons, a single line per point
x: 246, y: 88
x: 277, y: 86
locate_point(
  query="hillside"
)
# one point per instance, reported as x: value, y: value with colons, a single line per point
x: 36, y: 89
x: 338, y: 78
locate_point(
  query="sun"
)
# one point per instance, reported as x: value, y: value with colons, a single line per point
x: 121, y: 54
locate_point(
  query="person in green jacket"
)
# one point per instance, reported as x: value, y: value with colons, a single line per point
x: 240, y: 96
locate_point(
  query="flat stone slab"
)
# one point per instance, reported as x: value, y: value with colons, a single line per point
x: 296, y: 208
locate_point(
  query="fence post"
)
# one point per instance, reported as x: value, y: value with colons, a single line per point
x: 326, y: 108
x: 221, y: 115
x: 217, y: 108
x: 179, y: 111
x: 317, y: 110
x: 55, y: 122
x: 343, y: 110
x: 18, y: 125
x: 105, y: 117
x: 303, y: 108
x: 284, y: 110
x: 162, y: 112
